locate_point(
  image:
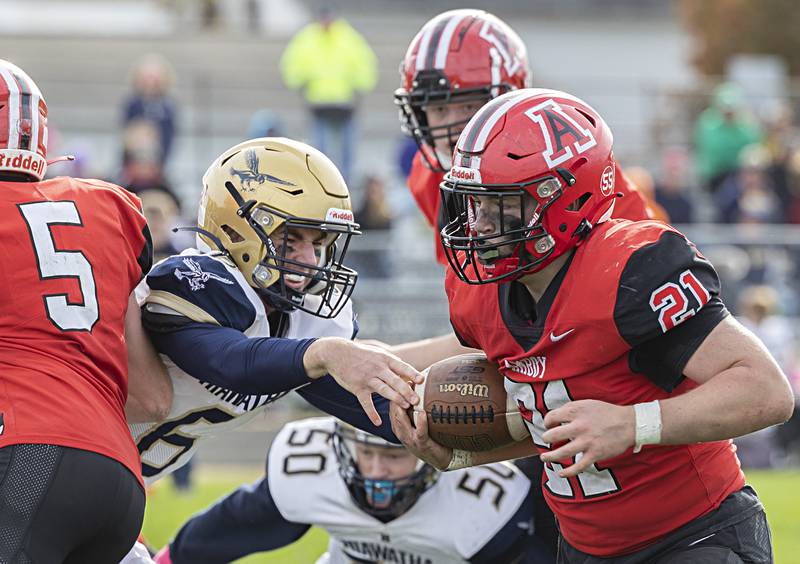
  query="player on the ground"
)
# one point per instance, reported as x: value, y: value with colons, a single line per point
x: 72, y: 251
x: 378, y: 502
x: 614, y: 342
x: 267, y: 311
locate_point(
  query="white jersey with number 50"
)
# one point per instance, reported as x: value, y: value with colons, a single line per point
x: 449, y: 523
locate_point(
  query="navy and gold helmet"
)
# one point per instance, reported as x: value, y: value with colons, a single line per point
x: 254, y: 194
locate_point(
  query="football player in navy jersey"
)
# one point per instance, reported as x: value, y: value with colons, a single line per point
x: 262, y: 306
x: 377, y: 501
x: 613, y: 340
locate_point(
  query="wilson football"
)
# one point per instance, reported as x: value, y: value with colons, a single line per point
x: 467, y: 406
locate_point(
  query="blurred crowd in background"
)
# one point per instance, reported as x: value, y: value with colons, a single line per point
x: 740, y: 165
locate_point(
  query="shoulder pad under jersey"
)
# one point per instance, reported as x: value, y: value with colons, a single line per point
x: 205, y: 288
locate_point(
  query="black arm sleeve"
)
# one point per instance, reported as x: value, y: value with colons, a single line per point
x: 667, y: 304
x: 242, y: 523
x: 663, y: 358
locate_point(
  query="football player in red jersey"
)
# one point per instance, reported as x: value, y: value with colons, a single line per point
x: 456, y: 63
x: 72, y: 252
x: 613, y: 340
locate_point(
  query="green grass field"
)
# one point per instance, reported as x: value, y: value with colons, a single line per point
x: 167, y: 511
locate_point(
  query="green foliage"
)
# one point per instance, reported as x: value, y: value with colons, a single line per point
x: 723, y: 28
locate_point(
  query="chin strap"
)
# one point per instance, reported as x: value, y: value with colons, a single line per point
x: 281, y: 303
x: 586, y: 226
x: 65, y: 158
x: 214, y: 239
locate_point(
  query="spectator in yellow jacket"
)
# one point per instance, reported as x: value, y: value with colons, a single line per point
x: 332, y: 65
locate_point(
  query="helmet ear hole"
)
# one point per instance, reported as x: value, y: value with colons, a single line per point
x: 579, y: 202
x: 233, y: 235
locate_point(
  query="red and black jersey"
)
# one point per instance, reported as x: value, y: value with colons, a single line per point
x: 618, y: 323
x: 72, y: 252
x: 424, y: 186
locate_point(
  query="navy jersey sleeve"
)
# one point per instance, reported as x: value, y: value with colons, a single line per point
x: 203, y: 289
x: 227, y: 357
x: 666, y: 305
x: 242, y: 523
x: 515, y: 541
x: 328, y: 396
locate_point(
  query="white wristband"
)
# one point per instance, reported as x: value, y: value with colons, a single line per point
x: 460, y: 459
x: 648, y: 424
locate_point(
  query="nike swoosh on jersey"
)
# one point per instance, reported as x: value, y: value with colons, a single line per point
x: 555, y: 338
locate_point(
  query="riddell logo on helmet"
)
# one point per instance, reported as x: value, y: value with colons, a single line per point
x: 22, y: 162
x: 339, y: 215
x: 466, y: 174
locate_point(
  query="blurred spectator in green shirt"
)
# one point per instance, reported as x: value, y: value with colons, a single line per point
x: 722, y: 130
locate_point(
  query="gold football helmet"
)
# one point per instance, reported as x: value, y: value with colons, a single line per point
x: 259, y: 193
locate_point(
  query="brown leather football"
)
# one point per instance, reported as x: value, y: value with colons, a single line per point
x: 467, y: 406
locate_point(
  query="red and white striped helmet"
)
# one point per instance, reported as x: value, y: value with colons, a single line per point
x: 459, y: 55
x: 23, y: 123
x: 546, y: 158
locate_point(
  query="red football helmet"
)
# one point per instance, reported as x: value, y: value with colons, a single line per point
x: 541, y: 163
x: 458, y: 56
x: 23, y: 123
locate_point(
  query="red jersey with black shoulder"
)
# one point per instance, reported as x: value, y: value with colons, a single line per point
x: 424, y: 186
x: 618, y: 323
x: 71, y: 253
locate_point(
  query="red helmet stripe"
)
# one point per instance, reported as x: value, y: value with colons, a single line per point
x: 12, y: 112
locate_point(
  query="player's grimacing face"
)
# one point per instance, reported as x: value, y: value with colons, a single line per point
x: 302, y: 245
x: 384, y: 463
x: 493, y: 217
x: 439, y: 115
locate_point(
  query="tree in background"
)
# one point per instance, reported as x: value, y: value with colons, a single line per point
x: 724, y: 28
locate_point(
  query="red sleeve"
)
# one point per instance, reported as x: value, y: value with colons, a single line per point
x: 460, y: 309
x: 424, y: 186
x: 634, y: 205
